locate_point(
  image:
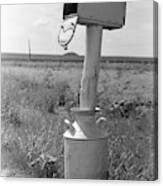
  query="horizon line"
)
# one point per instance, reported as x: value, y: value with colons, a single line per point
x: 75, y: 54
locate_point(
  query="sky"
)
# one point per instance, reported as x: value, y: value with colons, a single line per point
x: 40, y: 24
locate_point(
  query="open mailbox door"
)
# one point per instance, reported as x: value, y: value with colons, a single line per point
x: 67, y: 31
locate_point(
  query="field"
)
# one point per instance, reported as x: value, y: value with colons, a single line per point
x: 36, y: 98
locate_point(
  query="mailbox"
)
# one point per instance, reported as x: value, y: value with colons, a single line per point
x: 110, y: 15
x: 85, y: 145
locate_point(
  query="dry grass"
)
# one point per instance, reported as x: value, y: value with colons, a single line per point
x: 32, y: 120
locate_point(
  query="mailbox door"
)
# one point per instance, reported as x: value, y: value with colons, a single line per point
x: 109, y: 15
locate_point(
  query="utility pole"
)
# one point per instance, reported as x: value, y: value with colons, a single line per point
x: 29, y: 50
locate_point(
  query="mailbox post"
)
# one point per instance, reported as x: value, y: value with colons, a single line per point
x: 85, y: 145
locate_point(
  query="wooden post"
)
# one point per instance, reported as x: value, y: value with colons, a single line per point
x: 91, y: 67
x: 85, y: 146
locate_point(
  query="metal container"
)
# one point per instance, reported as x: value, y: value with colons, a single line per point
x: 110, y: 15
x: 85, y: 148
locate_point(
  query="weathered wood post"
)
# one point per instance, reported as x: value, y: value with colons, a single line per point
x: 85, y: 145
x: 91, y: 67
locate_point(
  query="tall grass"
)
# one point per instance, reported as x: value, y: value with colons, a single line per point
x: 33, y: 110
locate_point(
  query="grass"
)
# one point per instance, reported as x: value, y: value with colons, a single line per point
x: 35, y: 102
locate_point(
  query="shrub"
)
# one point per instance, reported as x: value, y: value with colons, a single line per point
x: 33, y: 141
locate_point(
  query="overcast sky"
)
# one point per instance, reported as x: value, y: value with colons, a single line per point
x: 40, y: 23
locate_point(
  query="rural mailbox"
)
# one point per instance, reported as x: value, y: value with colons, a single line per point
x: 85, y: 145
x: 109, y: 15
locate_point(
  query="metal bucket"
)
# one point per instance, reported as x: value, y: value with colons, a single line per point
x: 85, y: 150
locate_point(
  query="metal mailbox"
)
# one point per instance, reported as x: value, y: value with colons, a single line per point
x: 110, y: 15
